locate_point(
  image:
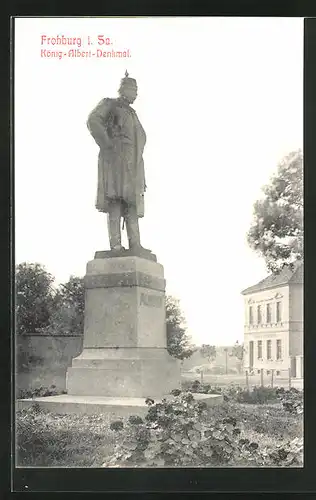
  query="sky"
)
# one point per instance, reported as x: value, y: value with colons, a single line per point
x: 221, y: 101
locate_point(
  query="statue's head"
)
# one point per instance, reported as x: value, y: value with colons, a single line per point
x: 128, y: 88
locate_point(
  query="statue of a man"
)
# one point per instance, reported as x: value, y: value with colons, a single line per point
x: 115, y: 127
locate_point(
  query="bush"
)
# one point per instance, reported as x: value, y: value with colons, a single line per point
x: 266, y: 420
x: 117, y: 425
x: 290, y: 454
x: 257, y: 395
x: 184, y: 432
x: 223, y: 435
x: 39, y: 392
x: 292, y: 400
x: 197, y: 387
x: 174, y: 434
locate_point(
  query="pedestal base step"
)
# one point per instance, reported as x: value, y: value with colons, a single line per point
x: 94, y: 405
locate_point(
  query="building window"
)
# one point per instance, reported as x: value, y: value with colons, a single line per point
x: 250, y: 315
x: 278, y: 349
x: 259, y: 349
x: 269, y: 349
x: 259, y: 315
x: 268, y: 313
x: 278, y: 312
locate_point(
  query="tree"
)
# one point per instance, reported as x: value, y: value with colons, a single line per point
x: 238, y: 352
x: 65, y: 313
x: 277, y: 229
x: 178, y: 342
x: 208, y: 352
x: 34, y: 297
x: 68, y: 309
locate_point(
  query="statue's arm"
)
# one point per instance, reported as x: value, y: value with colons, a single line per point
x: 96, y: 123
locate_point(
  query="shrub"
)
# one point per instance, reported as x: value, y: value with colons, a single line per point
x: 135, y: 419
x: 174, y: 435
x: 183, y: 432
x: 39, y: 392
x: 175, y: 392
x: 223, y: 435
x: 197, y: 387
x: 292, y: 400
x: 290, y: 454
x: 257, y: 395
x: 117, y: 425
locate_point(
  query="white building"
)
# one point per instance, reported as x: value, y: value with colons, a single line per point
x: 273, y: 330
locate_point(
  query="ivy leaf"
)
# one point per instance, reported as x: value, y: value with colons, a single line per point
x: 188, y: 451
x: 218, y: 435
x: 185, y: 441
x: 130, y: 444
x: 194, y: 435
x: 229, y: 428
x: 198, y: 426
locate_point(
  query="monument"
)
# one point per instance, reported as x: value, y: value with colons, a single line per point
x: 124, y: 358
x: 124, y: 348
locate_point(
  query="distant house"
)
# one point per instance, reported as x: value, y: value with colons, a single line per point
x: 273, y: 330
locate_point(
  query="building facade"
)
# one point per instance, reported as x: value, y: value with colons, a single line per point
x: 273, y: 329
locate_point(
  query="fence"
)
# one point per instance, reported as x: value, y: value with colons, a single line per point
x: 287, y: 374
x: 262, y: 377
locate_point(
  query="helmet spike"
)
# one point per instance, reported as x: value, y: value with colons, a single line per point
x: 128, y: 82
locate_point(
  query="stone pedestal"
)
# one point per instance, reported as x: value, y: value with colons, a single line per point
x: 124, y: 349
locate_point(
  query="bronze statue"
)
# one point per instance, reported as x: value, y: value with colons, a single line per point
x: 115, y: 127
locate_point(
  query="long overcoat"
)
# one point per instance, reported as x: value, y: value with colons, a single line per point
x: 121, y: 174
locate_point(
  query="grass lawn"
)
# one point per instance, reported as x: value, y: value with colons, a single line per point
x: 48, y: 439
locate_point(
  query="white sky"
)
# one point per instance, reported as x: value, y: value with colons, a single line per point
x: 221, y: 100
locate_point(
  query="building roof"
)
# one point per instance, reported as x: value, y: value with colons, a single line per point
x: 285, y: 277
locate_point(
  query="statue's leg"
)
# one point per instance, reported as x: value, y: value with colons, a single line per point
x: 114, y: 221
x: 132, y: 227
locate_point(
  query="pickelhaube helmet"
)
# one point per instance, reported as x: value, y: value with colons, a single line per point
x: 128, y: 82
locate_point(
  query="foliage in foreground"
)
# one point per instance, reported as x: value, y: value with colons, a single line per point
x: 234, y: 392
x: 45, y: 439
x: 39, y: 392
x: 292, y: 400
x: 181, y: 432
x: 48, y: 439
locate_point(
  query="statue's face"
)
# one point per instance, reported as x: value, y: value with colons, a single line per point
x: 130, y: 93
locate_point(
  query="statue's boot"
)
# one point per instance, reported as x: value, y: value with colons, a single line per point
x: 114, y: 229
x: 132, y: 228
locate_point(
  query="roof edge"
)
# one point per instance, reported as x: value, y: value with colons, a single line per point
x: 248, y: 291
